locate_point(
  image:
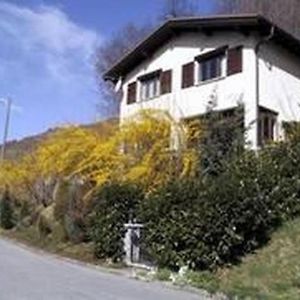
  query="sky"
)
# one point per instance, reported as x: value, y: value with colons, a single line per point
x: 46, y: 58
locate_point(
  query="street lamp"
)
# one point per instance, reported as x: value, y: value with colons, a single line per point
x: 7, y: 102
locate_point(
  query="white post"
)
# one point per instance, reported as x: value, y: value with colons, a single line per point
x: 132, y: 249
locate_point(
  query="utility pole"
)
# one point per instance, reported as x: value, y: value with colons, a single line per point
x: 171, y: 9
x: 8, y: 104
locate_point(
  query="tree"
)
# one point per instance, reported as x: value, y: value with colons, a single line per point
x: 6, y: 212
x: 223, y: 138
x: 180, y: 8
x: 107, y: 55
x: 284, y: 14
x: 123, y: 41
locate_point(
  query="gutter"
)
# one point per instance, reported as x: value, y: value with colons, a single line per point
x: 258, y: 46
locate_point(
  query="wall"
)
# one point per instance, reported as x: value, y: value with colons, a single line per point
x: 183, y: 103
x: 280, y: 83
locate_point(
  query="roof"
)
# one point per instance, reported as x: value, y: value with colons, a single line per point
x: 245, y: 23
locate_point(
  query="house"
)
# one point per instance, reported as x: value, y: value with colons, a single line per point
x: 190, y: 63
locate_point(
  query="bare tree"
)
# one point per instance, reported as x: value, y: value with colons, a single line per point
x: 283, y: 12
x: 107, y: 55
x: 180, y: 8
x: 124, y: 40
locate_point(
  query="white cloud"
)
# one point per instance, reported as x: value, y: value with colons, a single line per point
x: 48, y: 40
x: 46, y: 27
x: 46, y: 68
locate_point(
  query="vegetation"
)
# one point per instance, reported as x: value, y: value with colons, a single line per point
x: 283, y: 15
x: 214, y: 222
x: 6, y: 211
x: 205, y: 205
x: 220, y: 216
x: 63, y: 187
x: 270, y: 273
x: 115, y: 205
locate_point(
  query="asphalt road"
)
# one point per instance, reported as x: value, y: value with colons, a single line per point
x: 27, y: 275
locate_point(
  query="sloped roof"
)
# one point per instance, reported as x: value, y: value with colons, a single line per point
x: 245, y: 23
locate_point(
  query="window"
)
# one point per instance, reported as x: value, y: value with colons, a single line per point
x: 220, y: 62
x: 210, y: 64
x: 155, y: 84
x: 266, y: 126
x: 150, y: 86
x: 210, y: 68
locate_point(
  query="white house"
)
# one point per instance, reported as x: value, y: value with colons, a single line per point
x: 188, y: 63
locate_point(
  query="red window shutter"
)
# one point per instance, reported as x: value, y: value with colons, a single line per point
x: 188, y: 75
x: 131, y: 93
x: 166, y: 82
x: 235, y: 60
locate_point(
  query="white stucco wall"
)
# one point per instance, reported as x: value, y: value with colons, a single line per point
x: 279, y: 80
x: 280, y: 83
x: 183, y: 103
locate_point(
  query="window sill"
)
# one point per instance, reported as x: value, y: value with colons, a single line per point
x: 149, y: 99
x: 200, y: 83
x: 153, y: 98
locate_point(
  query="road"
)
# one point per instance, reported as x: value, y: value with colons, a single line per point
x: 29, y: 275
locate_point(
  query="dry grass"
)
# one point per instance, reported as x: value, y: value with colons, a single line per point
x: 30, y: 237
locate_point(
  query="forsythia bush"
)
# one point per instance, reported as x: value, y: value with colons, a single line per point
x: 139, y: 151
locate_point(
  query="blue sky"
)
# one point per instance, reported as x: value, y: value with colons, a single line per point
x: 46, y: 57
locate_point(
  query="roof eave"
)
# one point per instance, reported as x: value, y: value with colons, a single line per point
x: 224, y: 22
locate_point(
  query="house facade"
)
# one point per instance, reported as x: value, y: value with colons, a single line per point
x: 190, y: 64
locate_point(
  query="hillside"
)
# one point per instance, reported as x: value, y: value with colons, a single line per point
x: 16, y: 149
x: 271, y: 273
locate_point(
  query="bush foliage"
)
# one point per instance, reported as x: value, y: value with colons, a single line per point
x: 6, y: 211
x: 115, y: 205
x: 208, y: 223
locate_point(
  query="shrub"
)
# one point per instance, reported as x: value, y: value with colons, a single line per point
x: 223, y: 139
x: 61, y: 199
x: 75, y: 227
x: 69, y: 210
x: 208, y: 223
x: 6, y: 212
x: 114, y: 205
x: 169, y: 216
x: 46, y: 221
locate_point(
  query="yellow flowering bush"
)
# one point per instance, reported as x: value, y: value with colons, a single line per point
x: 147, y: 149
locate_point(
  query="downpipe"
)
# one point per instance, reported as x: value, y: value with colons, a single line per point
x: 258, y: 46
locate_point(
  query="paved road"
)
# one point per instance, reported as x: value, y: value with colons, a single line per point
x: 26, y: 275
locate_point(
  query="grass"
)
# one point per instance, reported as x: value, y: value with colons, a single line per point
x: 52, y: 244
x: 271, y: 273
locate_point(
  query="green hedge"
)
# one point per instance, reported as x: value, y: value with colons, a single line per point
x: 204, y: 222
x: 212, y: 222
x: 114, y: 204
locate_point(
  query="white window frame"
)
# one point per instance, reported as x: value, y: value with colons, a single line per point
x: 149, y: 88
x: 272, y: 121
x: 223, y: 58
